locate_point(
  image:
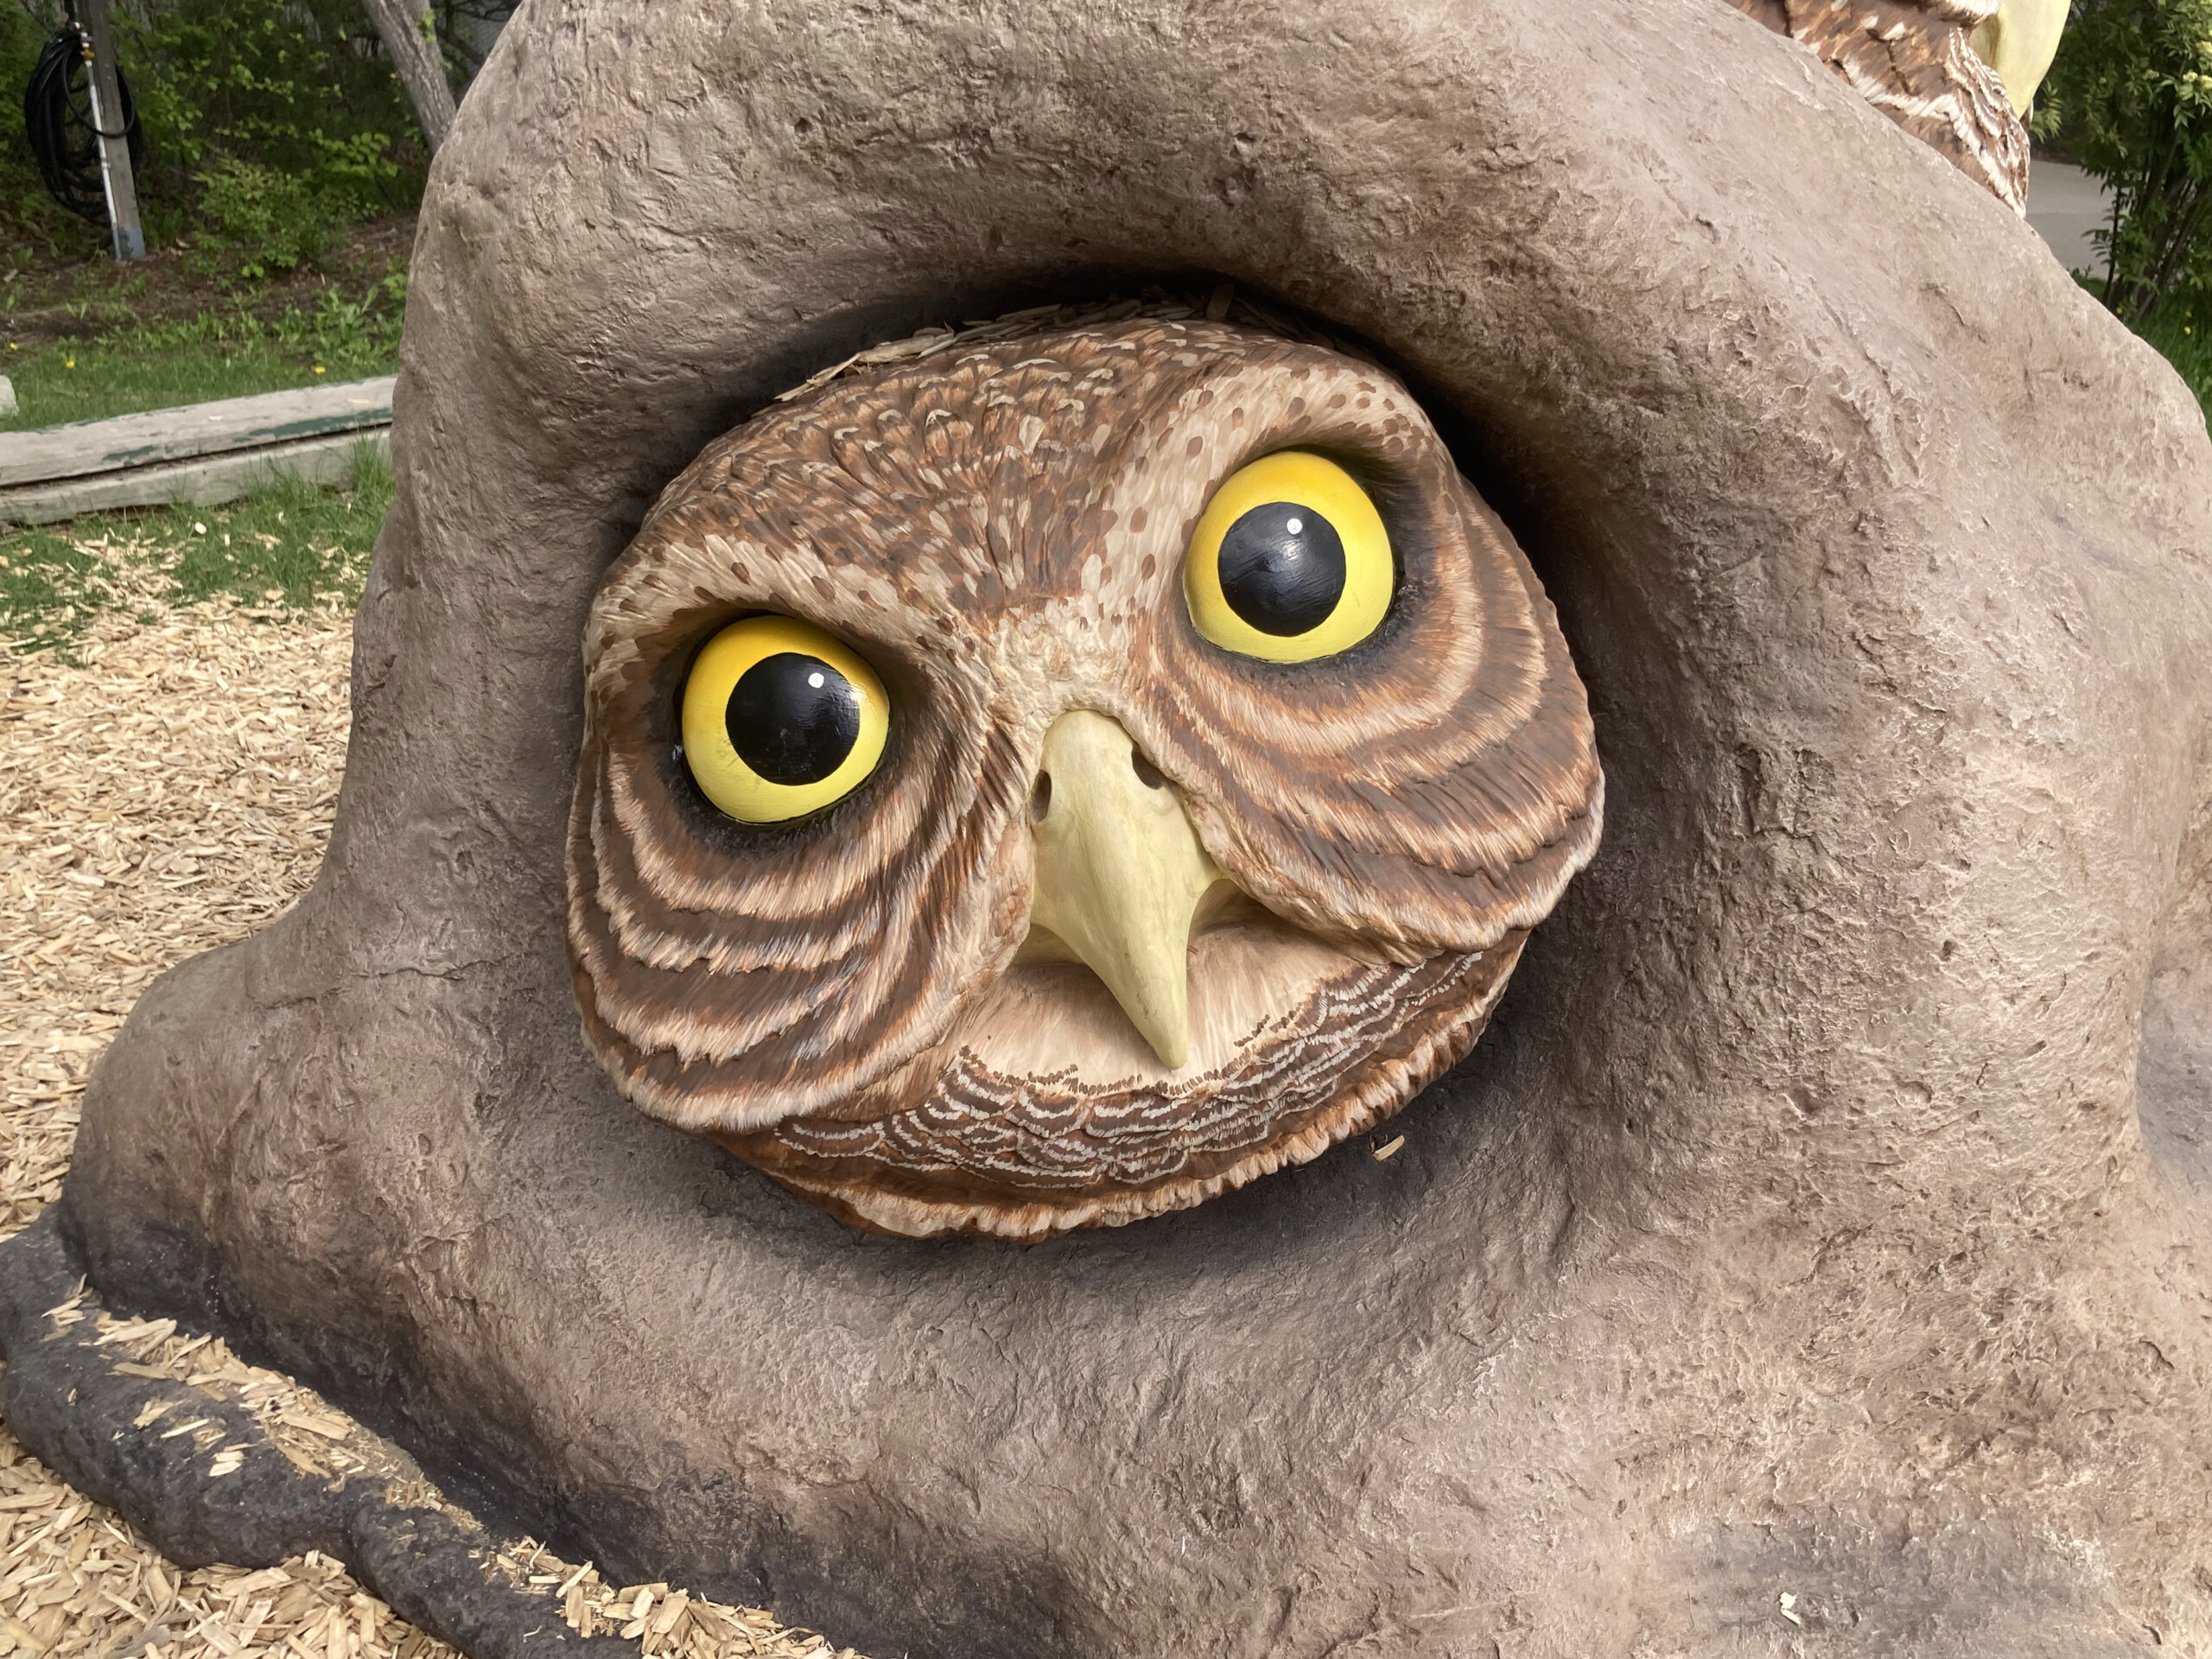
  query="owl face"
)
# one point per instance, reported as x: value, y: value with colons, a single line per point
x: 1064, y: 779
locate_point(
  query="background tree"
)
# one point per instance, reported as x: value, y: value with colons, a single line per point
x: 2130, y: 98
x: 410, y: 32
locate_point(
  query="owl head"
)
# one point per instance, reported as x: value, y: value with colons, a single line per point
x: 1060, y: 778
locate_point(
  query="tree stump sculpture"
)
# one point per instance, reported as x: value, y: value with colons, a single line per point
x: 1824, y: 1211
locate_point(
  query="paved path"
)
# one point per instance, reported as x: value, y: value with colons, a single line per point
x: 2065, y: 204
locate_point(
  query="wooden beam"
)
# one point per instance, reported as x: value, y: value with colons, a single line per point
x: 204, y: 452
x: 115, y: 143
x: 203, y: 482
x: 46, y: 454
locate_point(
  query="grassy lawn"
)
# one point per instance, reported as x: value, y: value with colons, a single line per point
x: 194, y: 359
x: 192, y: 362
x: 92, y: 339
x: 289, y: 549
x: 83, y: 338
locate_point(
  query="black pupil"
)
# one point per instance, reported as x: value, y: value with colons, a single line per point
x: 1282, y: 568
x: 792, y: 718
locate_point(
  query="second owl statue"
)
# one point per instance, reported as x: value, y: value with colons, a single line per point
x: 1066, y: 778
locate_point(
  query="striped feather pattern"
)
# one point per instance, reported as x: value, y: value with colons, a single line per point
x: 994, y: 1154
x: 1000, y: 531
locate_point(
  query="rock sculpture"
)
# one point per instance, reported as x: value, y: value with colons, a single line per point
x: 1956, y: 74
x: 1816, y: 1239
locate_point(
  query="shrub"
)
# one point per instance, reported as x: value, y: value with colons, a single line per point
x: 267, y: 123
x: 2130, y: 98
x: 259, y: 222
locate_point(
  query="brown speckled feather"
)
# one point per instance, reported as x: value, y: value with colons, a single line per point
x: 1913, y: 60
x: 993, y: 1153
x: 1001, y: 530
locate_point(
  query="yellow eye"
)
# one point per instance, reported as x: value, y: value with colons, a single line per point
x: 1290, y: 561
x: 779, y: 720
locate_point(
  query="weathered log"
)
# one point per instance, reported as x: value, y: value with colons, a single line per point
x: 202, y: 453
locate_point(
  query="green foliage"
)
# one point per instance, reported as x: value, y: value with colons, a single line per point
x: 2130, y: 98
x: 259, y: 222
x: 268, y: 124
x: 299, y: 87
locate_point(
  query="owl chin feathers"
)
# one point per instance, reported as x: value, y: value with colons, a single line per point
x: 1173, y: 755
x: 1051, y: 1113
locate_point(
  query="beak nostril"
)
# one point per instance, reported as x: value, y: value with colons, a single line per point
x: 1147, y: 774
x: 1040, y: 798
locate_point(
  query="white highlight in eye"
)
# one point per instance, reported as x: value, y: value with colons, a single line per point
x: 814, y: 680
x: 1293, y: 525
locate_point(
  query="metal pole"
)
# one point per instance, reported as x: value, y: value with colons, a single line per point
x: 115, y: 143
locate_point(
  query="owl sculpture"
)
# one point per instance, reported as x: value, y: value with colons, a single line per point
x: 1063, y: 778
x: 1957, y: 74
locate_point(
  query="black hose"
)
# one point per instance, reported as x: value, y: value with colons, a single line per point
x: 58, y: 120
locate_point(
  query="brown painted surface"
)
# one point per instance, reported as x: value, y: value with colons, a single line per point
x: 1823, y: 1213
x: 1000, y: 531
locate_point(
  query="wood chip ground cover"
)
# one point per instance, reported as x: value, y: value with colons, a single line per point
x: 166, y: 788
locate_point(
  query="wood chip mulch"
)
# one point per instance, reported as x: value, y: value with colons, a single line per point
x: 168, y: 790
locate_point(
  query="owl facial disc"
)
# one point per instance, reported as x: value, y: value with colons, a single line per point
x: 1060, y: 780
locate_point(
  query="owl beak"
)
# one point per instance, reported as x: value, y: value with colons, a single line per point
x: 1117, y: 873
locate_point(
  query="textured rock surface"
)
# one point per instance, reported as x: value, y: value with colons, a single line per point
x: 1915, y: 61
x: 1798, y: 1228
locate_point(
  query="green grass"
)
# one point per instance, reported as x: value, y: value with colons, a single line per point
x: 288, y: 549
x: 78, y: 380
x: 199, y: 359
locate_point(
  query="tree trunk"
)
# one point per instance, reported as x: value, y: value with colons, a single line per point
x: 410, y: 40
